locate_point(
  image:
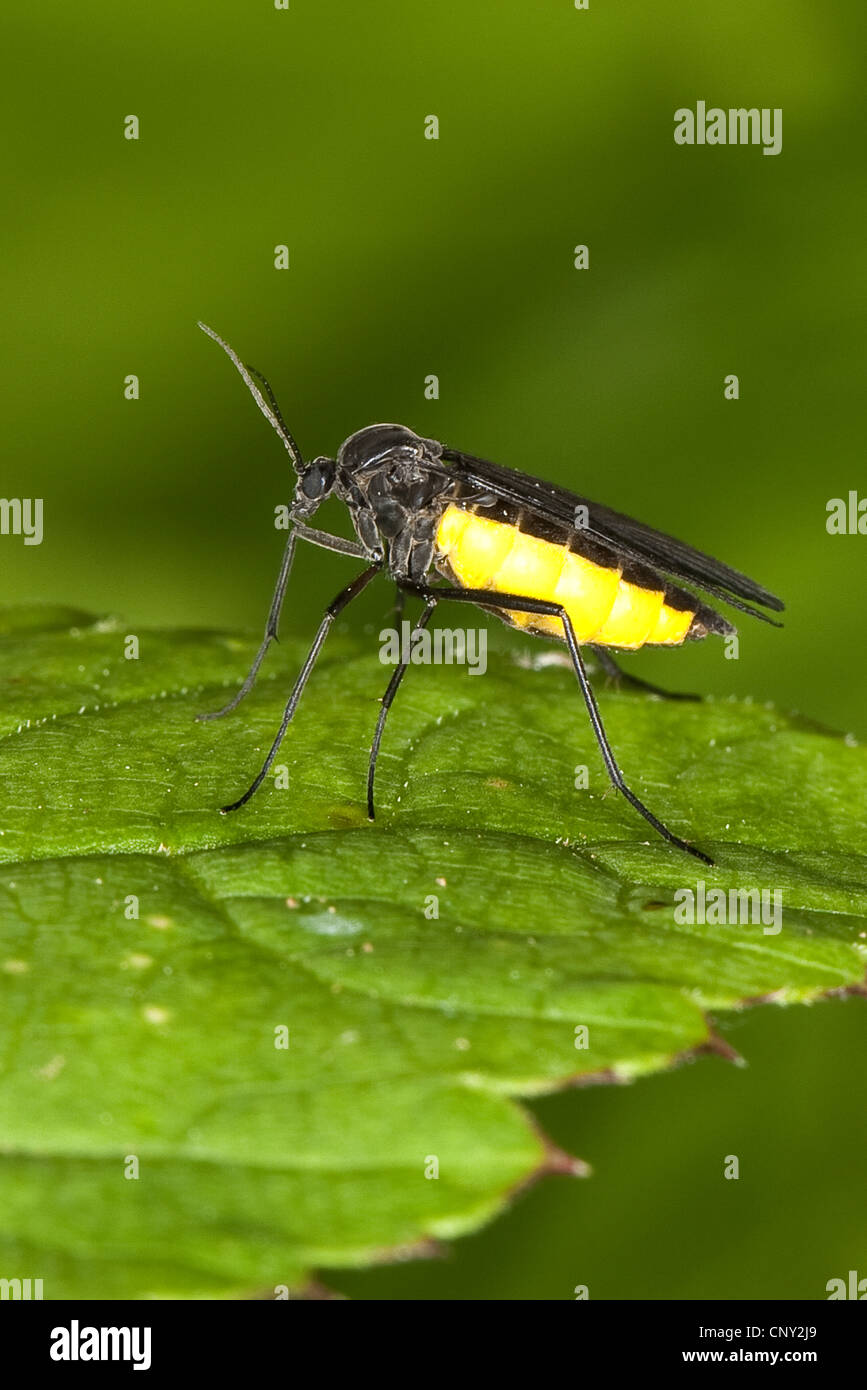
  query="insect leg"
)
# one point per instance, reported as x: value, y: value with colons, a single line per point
x: 399, y: 602
x: 334, y: 608
x: 605, y: 748
x: 304, y: 533
x: 621, y: 677
x: 518, y: 603
x: 387, y: 699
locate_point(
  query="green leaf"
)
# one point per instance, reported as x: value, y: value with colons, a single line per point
x: 429, y: 968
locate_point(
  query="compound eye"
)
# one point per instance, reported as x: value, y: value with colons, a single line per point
x: 317, y: 479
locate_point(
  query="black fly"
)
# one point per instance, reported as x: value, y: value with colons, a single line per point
x: 541, y: 558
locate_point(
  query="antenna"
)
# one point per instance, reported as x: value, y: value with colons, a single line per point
x: 269, y: 407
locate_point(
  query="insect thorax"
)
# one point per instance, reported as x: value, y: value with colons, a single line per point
x: 394, y: 486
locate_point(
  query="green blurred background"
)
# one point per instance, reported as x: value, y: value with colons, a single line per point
x: 455, y: 257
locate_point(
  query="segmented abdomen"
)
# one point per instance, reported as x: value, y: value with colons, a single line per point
x: 605, y: 608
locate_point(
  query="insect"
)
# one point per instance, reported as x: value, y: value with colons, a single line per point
x: 542, y: 559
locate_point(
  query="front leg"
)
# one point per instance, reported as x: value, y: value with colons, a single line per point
x: 298, y: 532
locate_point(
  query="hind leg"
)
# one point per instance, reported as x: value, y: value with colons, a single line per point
x: 621, y: 677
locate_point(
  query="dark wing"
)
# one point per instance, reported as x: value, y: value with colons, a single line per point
x: 628, y: 538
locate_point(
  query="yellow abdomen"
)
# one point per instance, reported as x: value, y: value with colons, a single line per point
x: 604, y: 607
